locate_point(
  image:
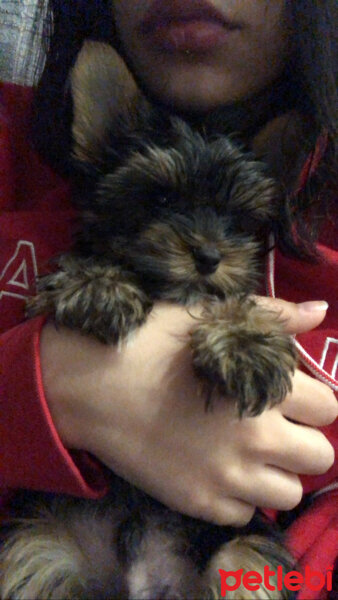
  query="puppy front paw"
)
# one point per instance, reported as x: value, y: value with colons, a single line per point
x: 244, y: 355
x: 98, y: 300
x: 242, y: 555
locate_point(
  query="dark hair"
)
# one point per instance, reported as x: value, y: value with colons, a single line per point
x: 67, y: 25
x: 311, y: 76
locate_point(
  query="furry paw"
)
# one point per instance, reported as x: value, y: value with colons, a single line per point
x: 95, y: 299
x: 241, y: 555
x: 240, y: 350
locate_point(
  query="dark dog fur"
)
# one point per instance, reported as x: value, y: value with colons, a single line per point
x: 177, y: 215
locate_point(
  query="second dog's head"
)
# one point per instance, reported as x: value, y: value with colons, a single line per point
x: 183, y: 209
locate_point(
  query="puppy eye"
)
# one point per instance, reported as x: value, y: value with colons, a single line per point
x: 164, y: 200
x: 167, y: 198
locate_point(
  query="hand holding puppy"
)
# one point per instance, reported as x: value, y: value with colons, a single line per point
x: 137, y: 410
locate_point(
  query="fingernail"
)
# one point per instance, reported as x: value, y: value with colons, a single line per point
x: 313, y: 305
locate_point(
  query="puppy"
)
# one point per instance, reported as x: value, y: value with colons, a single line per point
x: 167, y: 213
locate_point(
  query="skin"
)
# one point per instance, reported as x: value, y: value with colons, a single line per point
x: 249, y: 60
x: 139, y: 409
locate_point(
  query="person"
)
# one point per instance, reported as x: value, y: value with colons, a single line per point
x: 71, y: 407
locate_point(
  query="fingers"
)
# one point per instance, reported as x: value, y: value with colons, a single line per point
x: 297, y: 317
x: 273, y: 488
x: 230, y: 511
x: 211, y: 503
x: 269, y: 478
x: 306, y: 451
x: 311, y: 402
x: 276, y: 484
x: 297, y: 448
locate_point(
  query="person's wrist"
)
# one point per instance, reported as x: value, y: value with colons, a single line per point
x: 82, y: 377
x: 60, y: 356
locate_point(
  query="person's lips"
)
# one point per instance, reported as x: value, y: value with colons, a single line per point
x: 190, y: 25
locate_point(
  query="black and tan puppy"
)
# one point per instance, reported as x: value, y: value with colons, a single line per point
x: 170, y: 214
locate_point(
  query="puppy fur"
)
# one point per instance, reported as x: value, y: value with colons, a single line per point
x: 167, y: 213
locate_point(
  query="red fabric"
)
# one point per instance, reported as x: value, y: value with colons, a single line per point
x: 313, y: 541
x: 313, y: 538
x: 300, y: 282
x: 35, y: 224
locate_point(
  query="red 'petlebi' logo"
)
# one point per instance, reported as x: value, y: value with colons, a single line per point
x: 292, y: 580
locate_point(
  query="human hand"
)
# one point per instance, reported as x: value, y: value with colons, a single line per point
x: 139, y: 410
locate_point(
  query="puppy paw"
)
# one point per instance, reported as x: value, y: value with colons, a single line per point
x: 99, y: 300
x: 227, y: 568
x: 244, y: 354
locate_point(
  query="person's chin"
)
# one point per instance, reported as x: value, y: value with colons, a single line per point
x: 198, y: 90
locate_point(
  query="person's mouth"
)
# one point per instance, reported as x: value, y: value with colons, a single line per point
x: 188, y: 26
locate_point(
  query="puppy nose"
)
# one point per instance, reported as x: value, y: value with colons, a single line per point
x: 207, y: 259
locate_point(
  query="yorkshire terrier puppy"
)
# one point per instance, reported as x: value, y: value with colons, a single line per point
x: 168, y: 213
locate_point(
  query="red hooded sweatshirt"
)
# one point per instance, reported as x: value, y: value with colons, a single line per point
x: 35, y: 225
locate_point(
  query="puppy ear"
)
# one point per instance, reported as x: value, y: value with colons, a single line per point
x: 105, y: 95
x: 280, y: 144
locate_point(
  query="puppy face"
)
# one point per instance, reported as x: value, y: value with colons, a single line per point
x: 182, y: 210
x: 187, y: 215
